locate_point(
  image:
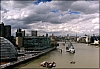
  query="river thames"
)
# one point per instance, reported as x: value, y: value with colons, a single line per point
x: 85, y: 57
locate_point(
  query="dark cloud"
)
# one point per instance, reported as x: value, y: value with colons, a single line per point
x: 26, y: 15
x: 63, y: 5
x: 85, y: 7
x: 16, y: 24
x: 21, y: 26
x: 21, y: 4
x: 87, y: 17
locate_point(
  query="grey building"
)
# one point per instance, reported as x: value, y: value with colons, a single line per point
x: 7, y: 31
x: 19, y: 38
x: 46, y: 35
x: 2, y: 29
x: 20, y: 33
x: 23, y: 33
x: 33, y: 33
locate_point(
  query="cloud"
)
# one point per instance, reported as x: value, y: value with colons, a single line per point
x: 85, y: 7
x: 52, y: 16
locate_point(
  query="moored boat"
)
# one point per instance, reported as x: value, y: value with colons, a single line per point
x: 70, y: 48
x: 48, y: 64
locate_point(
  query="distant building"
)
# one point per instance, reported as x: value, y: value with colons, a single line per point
x: 52, y: 34
x: 46, y: 35
x: 32, y: 43
x: 2, y: 29
x: 19, y: 38
x: 23, y: 33
x: 5, y: 31
x: 20, y: 33
x: 19, y: 42
x: 33, y: 33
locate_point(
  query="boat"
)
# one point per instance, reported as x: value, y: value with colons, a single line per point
x: 70, y: 48
x: 48, y: 64
x: 72, y: 62
x: 96, y: 42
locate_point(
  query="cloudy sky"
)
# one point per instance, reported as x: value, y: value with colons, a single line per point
x: 48, y: 16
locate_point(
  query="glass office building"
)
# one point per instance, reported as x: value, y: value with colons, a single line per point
x: 36, y: 43
x: 8, y: 51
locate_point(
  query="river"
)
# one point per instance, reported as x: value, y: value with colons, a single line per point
x: 85, y: 57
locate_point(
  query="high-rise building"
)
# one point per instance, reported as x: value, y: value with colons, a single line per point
x: 7, y: 31
x: 23, y: 33
x: 2, y: 29
x: 20, y: 33
x: 33, y: 33
x: 46, y: 35
x: 19, y: 38
x: 19, y: 30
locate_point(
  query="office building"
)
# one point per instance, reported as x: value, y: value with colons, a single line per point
x: 20, y: 33
x: 33, y: 33
x: 5, y: 31
x: 19, y: 38
x: 46, y: 35
x: 23, y: 33
x: 2, y: 29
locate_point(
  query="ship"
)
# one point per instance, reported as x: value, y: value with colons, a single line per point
x: 70, y: 48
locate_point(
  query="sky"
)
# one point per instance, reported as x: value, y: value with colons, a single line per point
x: 52, y: 17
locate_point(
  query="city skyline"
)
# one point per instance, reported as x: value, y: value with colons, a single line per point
x: 57, y: 17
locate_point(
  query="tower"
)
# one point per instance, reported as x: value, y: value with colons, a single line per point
x: 2, y: 29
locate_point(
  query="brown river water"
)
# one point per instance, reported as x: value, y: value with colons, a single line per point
x: 85, y: 57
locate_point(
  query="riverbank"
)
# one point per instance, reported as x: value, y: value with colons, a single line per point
x: 85, y: 57
x: 25, y: 58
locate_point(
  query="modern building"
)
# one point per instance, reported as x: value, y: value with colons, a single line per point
x: 33, y: 33
x: 2, y: 29
x: 32, y: 43
x: 5, y: 31
x: 46, y: 35
x: 19, y: 38
x: 19, y: 42
x: 23, y: 33
x: 8, y: 51
x: 19, y: 33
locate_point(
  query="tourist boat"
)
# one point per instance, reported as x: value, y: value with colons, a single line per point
x: 70, y: 48
x: 48, y: 64
x: 96, y: 42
